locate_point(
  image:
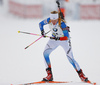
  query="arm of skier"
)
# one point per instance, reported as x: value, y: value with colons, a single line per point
x: 41, y: 24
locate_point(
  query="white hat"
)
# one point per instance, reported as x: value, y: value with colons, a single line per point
x: 54, y: 16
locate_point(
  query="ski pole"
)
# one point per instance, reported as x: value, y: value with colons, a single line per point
x: 31, y: 33
x: 33, y: 42
x: 36, y: 40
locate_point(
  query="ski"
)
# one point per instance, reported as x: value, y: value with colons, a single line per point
x: 93, y: 83
x: 90, y: 83
x: 43, y: 82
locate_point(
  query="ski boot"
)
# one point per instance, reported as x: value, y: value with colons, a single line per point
x: 82, y: 76
x: 49, y: 75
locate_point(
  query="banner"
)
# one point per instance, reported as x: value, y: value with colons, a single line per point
x: 25, y: 11
x: 90, y: 11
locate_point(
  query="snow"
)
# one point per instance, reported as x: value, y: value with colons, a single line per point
x: 18, y: 65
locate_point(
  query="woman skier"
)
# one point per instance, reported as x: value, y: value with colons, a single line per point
x: 60, y: 36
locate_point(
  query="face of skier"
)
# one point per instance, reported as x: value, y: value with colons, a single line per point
x: 54, y: 17
x: 54, y: 21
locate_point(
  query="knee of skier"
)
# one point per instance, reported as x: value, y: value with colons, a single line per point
x: 47, y: 52
x: 71, y: 59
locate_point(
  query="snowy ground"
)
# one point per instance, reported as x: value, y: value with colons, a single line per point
x: 18, y: 65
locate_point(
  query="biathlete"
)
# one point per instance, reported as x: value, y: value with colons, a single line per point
x: 60, y: 36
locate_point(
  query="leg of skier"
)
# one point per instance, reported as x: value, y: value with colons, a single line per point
x: 51, y: 45
x: 67, y: 47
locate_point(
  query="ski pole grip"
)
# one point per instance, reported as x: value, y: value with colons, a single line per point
x: 26, y: 47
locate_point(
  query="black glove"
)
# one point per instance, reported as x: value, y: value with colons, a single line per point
x: 55, y: 38
x: 43, y: 33
x: 68, y: 28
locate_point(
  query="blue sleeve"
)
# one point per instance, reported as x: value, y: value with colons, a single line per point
x: 44, y: 22
x: 65, y: 31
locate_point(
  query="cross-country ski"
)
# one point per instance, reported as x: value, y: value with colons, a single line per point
x: 57, y: 82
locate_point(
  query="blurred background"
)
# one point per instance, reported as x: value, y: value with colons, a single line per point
x: 18, y: 65
x: 73, y: 9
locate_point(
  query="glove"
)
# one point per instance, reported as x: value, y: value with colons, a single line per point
x: 68, y: 28
x: 55, y: 38
x: 43, y: 33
